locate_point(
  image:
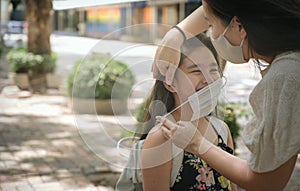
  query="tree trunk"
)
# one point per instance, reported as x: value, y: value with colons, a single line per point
x: 39, y: 26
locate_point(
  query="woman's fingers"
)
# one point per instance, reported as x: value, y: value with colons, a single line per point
x: 155, y: 70
x: 168, y: 127
x: 185, y: 135
x: 198, y: 143
x: 167, y: 56
x: 169, y: 124
x: 166, y: 132
x: 170, y: 73
x: 182, y: 134
x: 165, y: 63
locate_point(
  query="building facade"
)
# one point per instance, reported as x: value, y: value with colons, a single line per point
x: 151, y: 19
x: 116, y: 21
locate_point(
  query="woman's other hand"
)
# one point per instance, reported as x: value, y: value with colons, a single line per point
x: 167, y: 55
x: 168, y: 52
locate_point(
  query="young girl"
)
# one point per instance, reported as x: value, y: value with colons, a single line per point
x: 197, y: 79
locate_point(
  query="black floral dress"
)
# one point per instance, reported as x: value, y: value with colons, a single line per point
x: 196, y: 174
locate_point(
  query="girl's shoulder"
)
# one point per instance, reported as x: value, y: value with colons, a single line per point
x: 155, y: 138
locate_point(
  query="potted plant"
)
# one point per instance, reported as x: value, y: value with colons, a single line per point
x: 100, y: 84
x: 29, y: 70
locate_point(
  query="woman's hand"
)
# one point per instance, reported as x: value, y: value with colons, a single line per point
x: 185, y: 135
x: 167, y: 55
x: 168, y: 52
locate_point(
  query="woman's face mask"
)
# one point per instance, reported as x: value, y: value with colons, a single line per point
x: 226, y: 50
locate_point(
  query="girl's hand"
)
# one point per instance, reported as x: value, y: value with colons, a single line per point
x: 167, y: 55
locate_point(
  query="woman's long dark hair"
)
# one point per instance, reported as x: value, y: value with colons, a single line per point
x: 161, y: 101
x: 272, y: 26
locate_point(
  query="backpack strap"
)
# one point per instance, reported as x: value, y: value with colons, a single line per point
x: 220, y: 128
x: 131, y: 176
x: 137, y: 157
x: 177, y: 154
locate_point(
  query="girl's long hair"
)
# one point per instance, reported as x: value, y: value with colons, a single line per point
x: 161, y: 101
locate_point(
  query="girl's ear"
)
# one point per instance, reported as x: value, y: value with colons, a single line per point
x: 170, y: 88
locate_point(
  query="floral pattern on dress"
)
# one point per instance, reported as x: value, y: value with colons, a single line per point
x: 196, y: 174
x: 206, y: 175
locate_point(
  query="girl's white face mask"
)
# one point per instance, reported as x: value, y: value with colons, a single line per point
x: 226, y: 50
x: 204, y: 101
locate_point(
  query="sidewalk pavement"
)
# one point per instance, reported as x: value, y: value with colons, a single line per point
x: 42, y: 148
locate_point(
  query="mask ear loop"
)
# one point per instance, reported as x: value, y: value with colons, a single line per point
x: 226, y: 28
x: 223, y: 33
x: 164, y: 117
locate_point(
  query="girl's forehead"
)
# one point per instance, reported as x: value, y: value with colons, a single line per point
x: 198, y: 56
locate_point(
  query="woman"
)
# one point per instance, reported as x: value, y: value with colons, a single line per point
x: 198, y: 76
x: 242, y: 30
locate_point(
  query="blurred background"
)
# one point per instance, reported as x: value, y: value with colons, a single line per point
x: 62, y: 114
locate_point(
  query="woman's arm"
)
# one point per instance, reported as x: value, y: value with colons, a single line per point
x: 230, y: 144
x: 230, y: 166
x: 194, y: 24
x: 229, y: 139
x: 238, y: 171
x: 156, y: 162
x: 168, y: 52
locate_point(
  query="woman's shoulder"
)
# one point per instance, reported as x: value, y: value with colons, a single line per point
x: 282, y: 73
x: 287, y: 56
x: 286, y: 62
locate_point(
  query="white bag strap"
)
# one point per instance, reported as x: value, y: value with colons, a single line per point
x: 137, y: 175
x: 219, y: 127
x: 177, y: 154
x: 176, y: 163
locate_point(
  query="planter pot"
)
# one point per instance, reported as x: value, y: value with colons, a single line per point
x: 53, y: 80
x: 20, y: 79
x: 38, y: 83
x: 102, y: 107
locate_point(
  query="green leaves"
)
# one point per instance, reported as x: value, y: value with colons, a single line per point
x: 21, y: 61
x: 100, y: 78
